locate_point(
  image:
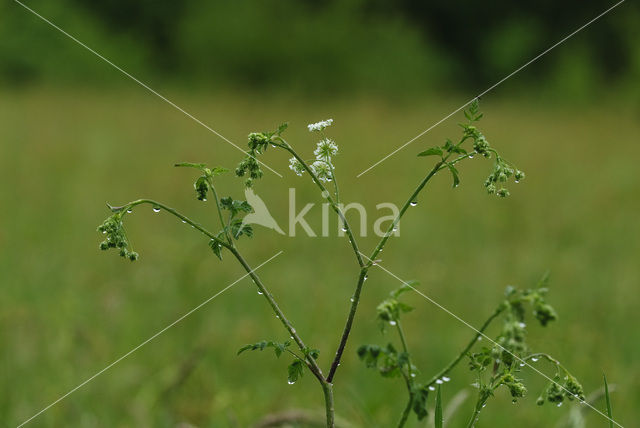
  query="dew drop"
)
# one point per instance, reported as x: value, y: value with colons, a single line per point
x: 293, y: 330
x: 432, y: 388
x: 534, y: 359
x: 413, y: 375
x: 395, y: 228
x: 413, y: 203
x: 483, y: 406
x: 290, y: 382
x: 522, y: 325
x: 129, y: 210
x: 392, y: 322
x: 470, y: 155
x: 439, y: 381
x: 479, y: 338
x: 260, y: 292
x: 352, y: 300
x: 325, y: 194
x: 204, y: 199
x: 559, y: 404
x: 184, y: 221
x: 517, y: 181
x: 156, y: 209
x: 365, y: 277
x: 104, y: 232
x: 446, y: 379
x: 522, y: 364
x: 344, y: 229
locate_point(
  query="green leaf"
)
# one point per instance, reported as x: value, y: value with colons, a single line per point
x: 434, y: 151
x: 199, y: 166
x: 278, y: 348
x: 608, y: 399
x: 420, y: 395
x: 458, y: 149
x: 282, y: 128
x: 405, y: 287
x: 454, y: 174
x: 218, y: 170
x: 216, y: 247
x: 238, y: 228
x: 438, y: 412
x: 295, y: 371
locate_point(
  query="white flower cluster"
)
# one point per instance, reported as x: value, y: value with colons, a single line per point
x: 319, y: 126
x: 322, y: 170
x: 325, y: 150
x: 296, y: 166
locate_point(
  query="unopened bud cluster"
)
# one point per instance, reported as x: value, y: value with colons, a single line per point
x: 115, y: 237
x: 502, y: 172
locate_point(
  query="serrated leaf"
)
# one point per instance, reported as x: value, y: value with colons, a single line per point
x: 421, y: 393
x: 282, y: 128
x: 295, y: 371
x: 454, y: 174
x: 216, y: 247
x: 434, y: 151
x: 438, y: 412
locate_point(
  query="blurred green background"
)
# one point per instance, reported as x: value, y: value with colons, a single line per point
x: 75, y: 133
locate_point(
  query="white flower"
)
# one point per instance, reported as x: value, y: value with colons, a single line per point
x: 321, y: 170
x: 325, y: 150
x: 319, y: 126
x: 296, y: 166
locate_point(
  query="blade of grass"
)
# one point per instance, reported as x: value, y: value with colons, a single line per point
x: 608, y: 399
x: 438, y: 412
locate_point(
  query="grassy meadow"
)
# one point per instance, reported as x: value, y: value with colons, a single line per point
x: 68, y: 310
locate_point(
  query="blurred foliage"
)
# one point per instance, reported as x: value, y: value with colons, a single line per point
x: 323, y: 45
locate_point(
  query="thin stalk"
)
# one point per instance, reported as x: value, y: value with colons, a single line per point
x: 408, y: 377
x: 404, y: 348
x: 407, y: 410
x: 356, y: 295
x: 327, y: 387
x: 217, y: 200
x: 311, y: 362
x: 347, y: 328
x: 475, y: 415
x: 172, y: 211
x: 464, y: 352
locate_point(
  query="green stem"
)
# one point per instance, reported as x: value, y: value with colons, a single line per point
x: 327, y: 389
x: 407, y: 410
x: 311, y: 362
x: 217, y: 200
x: 466, y: 349
x: 405, y: 349
x: 347, y: 328
x: 172, y: 211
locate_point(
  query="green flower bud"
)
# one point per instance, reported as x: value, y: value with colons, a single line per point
x: 519, y: 175
x: 503, y: 193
